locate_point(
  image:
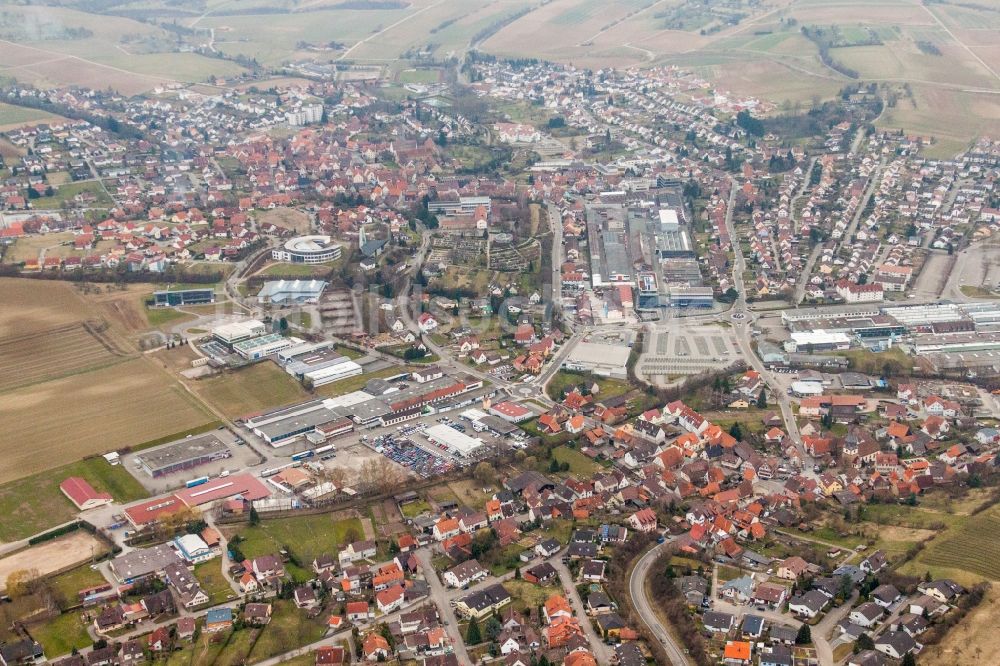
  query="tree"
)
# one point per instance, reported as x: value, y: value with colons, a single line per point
x: 804, y: 637
x: 493, y: 628
x: 472, y: 635
x: 359, y: 647
x: 909, y: 660
x: 254, y: 517
x: 844, y: 589
x: 864, y: 642
x: 21, y: 583
x: 749, y: 123
x: 485, y: 473
x: 762, y: 400
x: 736, y: 431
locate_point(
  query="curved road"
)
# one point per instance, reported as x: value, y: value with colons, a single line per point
x: 643, y: 606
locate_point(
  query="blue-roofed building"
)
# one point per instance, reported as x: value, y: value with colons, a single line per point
x: 856, y: 575
x: 739, y: 590
x: 218, y: 619
x: 753, y: 626
x: 374, y: 248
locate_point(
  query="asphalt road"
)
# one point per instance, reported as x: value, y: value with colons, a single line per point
x: 644, y: 607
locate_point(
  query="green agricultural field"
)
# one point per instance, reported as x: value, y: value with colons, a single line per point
x: 66, y: 193
x: 418, y: 76
x: 251, y: 389
x: 158, y: 317
x: 910, y: 516
x: 528, y: 595
x: 565, y: 380
x: 12, y: 116
x: 298, y: 270
x: 305, y: 537
x: 356, y: 382
x: 67, y: 585
x: 414, y: 509
x: 238, y: 647
x: 35, y: 503
x: 203, y: 651
x: 349, y: 352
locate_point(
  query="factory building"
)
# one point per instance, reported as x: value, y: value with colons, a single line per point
x: 691, y: 297
x: 457, y: 443
x: 239, y: 331
x: 599, y: 358
x: 263, y: 346
x: 285, y: 292
x: 174, y: 297
x: 816, y: 341
x: 183, y: 455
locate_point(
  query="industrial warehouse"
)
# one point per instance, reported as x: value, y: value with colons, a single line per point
x: 263, y: 346
x: 315, y: 418
x: 182, y: 455
x: 317, y: 364
x: 455, y: 442
x: 291, y: 292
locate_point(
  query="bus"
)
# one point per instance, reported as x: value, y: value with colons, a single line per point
x: 302, y: 455
x: 196, y: 482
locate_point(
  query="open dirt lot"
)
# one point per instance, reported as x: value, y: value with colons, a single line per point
x: 52, y: 556
x: 48, y: 424
x: 289, y: 218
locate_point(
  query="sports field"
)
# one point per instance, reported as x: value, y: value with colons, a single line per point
x: 52, y: 556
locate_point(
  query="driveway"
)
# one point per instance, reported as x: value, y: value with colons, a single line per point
x: 598, y: 647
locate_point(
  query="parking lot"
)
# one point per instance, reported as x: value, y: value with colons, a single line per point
x: 674, y: 349
x: 404, y: 451
x: 408, y: 445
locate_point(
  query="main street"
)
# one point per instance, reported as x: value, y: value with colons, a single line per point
x: 743, y: 321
